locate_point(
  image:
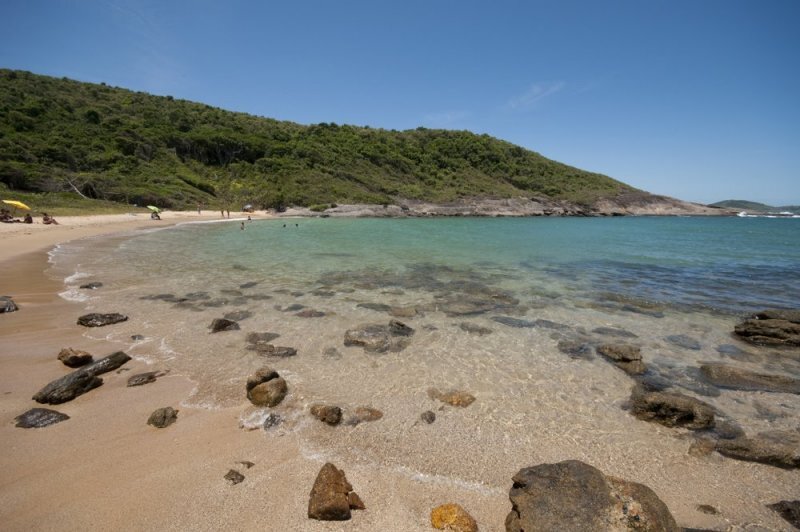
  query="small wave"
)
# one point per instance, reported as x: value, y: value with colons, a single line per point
x: 73, y: 293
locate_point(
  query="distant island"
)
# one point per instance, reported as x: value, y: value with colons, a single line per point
x: 752, y: 206
x: 63, y: 140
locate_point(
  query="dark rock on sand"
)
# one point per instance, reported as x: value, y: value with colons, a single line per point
x: 572, y: 495
x: 274, y: 351
x: 771, y: 327
x: 142, y: 378
x: 452, y: 397
x: 7, y: 304
x: 576, y: 349
x: 332, y: 496
x: 266, y: 388
x: 74, y: 358
x: 310, y: 313
x: 780, y: 448
x: 223, y: 324
x: 137, y: 337
x: 514, y: 322
x: 671, y: 409
x: 79, y: 381
x: 612, y: 331
x: 454, y: 518
x: 626, y: 357
x: 379, y: 338
x: 233, y: 477
x: 100, y: 320
x: 91, y: 286
x: 686, y: 342
x: 474, y: 328
x: 163, y: 417
x: 238, y: 315
x: 428, y: 417
x: 734, y: 378
x: 272, y: 420
x: 36, y: 418
x: 329, y: 414
x: 255, y: 337
x: 789, y: 510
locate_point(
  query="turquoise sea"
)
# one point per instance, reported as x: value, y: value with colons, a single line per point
x: 494, y: 303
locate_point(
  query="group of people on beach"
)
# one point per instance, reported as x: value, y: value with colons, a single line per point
x: 6, y: 217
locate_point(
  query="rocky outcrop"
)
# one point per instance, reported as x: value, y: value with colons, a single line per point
x: 380, y: 338
x: 735, y: 378
x: 223, y: 324
x: 7, y: 305
x: 572, y: 495
x: 778, y: 448
x: 36, y: 418
x: 266, y: 388
x: 101, y: 320
x: 163, y: 417
x: 452, y: 397
x: 74, y: 358
x: 80, y: 381
x: 332, y: 496
x: 454, y: 518
x: 671, y: 409
x: 626, y: 357
x: 772, y: 328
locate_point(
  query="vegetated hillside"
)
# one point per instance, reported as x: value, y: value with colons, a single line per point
x: 752, y: 206
x: 116, y: 144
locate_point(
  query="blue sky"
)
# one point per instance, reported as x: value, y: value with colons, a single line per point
x: 697, y: 99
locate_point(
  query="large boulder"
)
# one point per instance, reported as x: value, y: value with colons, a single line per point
x: 726, y: 376
x: 771, y: 327
x: 671, y: 409
x: 7, y: 304
x: 572, y: 495
x: 266, y: 388
x: 101, y: 320
x: 80, y: 381
x: 332, y: 496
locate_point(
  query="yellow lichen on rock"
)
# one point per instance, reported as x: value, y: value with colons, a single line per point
x: 454, y: 518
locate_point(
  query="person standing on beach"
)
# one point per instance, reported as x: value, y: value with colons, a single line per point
x: 198, y: 208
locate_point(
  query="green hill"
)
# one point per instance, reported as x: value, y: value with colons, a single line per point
x: 114, y: 144
x: 752, y: 206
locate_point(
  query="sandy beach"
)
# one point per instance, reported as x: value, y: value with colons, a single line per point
x: 105, y: 468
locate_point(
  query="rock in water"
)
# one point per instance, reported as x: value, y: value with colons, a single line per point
x: 686, y: 342
x: 332, y: 497
x: 222, y: 324
x: 771, y: 327
x: 79, y: 381
x: 74, y: 358
x: 454, y: 518
x: 163, y: 417
x: 780, y: 448
x: 452, y: 397
x: 36, y: 418
x: 7, y: 305
x: 671, y: 409
x: 380, y: 338
x: 572, y: 495
x: 91, y: 286
x: 142, y: 378
x: 789, y: 510
x: 100, y: 320
x: 332, y: 415
x: 726, y: 376
x: 266, y: 388
x: 626, y: 357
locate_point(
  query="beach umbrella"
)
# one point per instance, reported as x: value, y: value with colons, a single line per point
x: 16, y: 203
x: 153, y: 208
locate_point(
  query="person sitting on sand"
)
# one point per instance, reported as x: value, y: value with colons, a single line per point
x: 28, y: 218
x: 48, y: 220
x: 5, y: 216
x: 154, y: 216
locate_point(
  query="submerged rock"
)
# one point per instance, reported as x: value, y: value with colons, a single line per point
x: 771, y: 327
x: 611, y: 331
x: 332, y: 496
x: 310, y: 313
x: 380, y: 338
x: 671, y: 409
x: 142, y: 378
x: 364, y: 414
x: 80, y: 381
x: 626, y: 357
x: 266, y: 388
x: 223, y: 324
x: 36, y: 418
x: 91, y: 286
x: 726, y: 376
x: 514, y: 322
x: 454, y: 518
x: 328, y: 414
x: 452, y: 397
x: 377, y: 307
x: 74, y: 358
x: 256, y: 337
x: 163, y: 417
x: 474, y: 328
x: 403, y: 312
x: 100, y: 320
x: 238, y: 315
x: 269, y: 350
x: 686, y: 342
x: 576, y: 349
x: 779, y: 448
x: 7, y: 305
x: 572, y: 495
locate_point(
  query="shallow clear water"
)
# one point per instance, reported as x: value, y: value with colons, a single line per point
x: 565, y: 278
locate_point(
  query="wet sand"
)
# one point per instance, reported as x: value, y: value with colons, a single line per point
x: 105, y: 468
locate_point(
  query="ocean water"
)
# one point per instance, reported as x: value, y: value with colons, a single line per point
x: 528, y: 283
